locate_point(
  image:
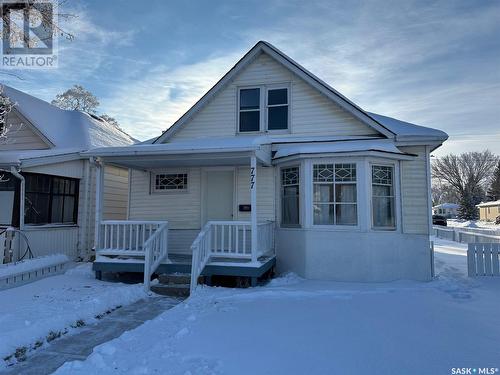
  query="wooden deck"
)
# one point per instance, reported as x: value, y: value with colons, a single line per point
x: 181, y: 263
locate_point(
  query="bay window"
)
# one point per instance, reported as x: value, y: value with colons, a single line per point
x: 383, y: 211
x: 334, y: 194
x: 290, y: 181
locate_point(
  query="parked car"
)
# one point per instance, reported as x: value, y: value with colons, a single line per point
x: 497, y: 220
x: 439, y: 220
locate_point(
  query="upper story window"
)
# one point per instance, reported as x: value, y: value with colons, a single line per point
x: 263, y: 109
x: 170, y: 181
x: 250, y: 110
x: 383, y: 211
x: 277, y: 109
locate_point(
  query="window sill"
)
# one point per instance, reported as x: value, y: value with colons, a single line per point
x: 49, y: 226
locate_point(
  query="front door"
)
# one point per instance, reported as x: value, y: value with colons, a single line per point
x: 219, y: 195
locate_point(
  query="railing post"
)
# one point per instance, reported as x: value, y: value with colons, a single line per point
x: 99, y: 188
x: 253, y: 205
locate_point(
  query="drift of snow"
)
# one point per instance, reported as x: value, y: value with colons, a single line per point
x: 31, y: 312
x: 32, y: 264
x: 296, y: 326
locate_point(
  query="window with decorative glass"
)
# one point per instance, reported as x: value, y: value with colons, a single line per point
x: 170, y: 182
x: 383, y: 212
x: 290, y: 181
x: 334, y: 194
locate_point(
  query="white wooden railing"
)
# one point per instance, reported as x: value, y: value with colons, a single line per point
x: 229, y: 239
x: 201, y: 249
x: 125, y: 237
x: 155, y: 252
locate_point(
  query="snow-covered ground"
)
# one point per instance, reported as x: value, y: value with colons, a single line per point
x: 32, y: 313
x: 32, y: 264
x: 472, y: 224
x: 295, y: 326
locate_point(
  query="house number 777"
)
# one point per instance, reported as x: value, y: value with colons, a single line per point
x: 252, y: 177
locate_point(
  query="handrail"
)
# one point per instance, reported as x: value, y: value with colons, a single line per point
x: 155, y: 251
x: 201, y: 251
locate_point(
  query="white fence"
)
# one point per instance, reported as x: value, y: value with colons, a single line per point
x: 483, y: 259
x: 459, y: 235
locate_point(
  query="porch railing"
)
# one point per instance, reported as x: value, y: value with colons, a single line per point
x: 229, y: 239
x: 155, y: 252
x: 125, y: 237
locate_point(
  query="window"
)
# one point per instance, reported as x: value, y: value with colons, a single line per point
x: 51, y: 199
x: 170, y: 181
x: 334, y: 194
x: 383, y: 196
x: 290, y: 196
x: 249, y: 110
x: 277, y: 109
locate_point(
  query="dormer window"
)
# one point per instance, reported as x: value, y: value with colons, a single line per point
x: 250, y: 110
x: 263, y: 108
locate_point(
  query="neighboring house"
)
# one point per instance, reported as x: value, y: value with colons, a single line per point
x: 274, y: 165
x: 489, y: 211
x: 448, y: 210
x: 48, y: 188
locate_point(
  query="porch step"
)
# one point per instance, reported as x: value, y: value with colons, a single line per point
x: 172, y: 290
x: 175, y: 278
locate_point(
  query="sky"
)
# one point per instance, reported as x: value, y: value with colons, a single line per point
x: 433, y: 63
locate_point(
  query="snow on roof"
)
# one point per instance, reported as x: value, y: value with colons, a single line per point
x: 284, y: 150
x: 489, y: 204
x: 68, y: 130
x: 406, y: 130
x: 447, y: 205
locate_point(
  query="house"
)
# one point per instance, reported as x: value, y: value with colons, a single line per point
x: 47, y: 187
x: 273, y: 167
x: 448, y: 210
x: 489, y: 211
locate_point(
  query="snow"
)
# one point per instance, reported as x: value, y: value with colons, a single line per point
x: 297, y: 326
x: 32, y: 264
x: 333, y: 147
x: 452, y: 206
x: 407, y: 130
x: 29, y: 313
x: 476, y: 224
x: 489, y: 204
x: 68, y: 131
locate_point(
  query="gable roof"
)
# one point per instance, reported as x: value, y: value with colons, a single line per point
x: 66, y: 128
x: 287, y: 62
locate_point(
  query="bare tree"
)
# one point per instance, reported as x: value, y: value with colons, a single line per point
x: 77, y: 98
x: 442, y: 193
x: 110, y: 120
x: 467, y: 174
x: 494, y: 190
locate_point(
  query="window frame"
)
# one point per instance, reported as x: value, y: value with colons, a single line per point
x: 357, y: 185
x: 395, y: 195
x: 238, y: 110
x: 267, y: 106
x: 281, y: 195
x: 263, y: 107
x: 51, y: 194
x: 153, y: 175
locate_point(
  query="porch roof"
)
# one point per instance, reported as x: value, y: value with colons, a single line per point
x: 197, y: 152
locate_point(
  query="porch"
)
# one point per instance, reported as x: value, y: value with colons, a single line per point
x: 205, y: 196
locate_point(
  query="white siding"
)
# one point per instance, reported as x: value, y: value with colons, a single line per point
x: 311, y: 112
x: 72, y: 169
x: 265, y: 193
x: 181, y: 209
x: 414, y: 192
x: 115, y: 193
x: 21, y: 135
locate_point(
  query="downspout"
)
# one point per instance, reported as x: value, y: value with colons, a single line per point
x: 85, y: 215
x: 15, y: 173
